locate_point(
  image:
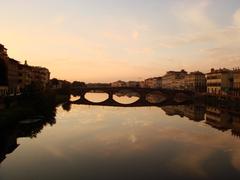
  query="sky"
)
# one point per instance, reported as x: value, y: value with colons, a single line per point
x: 109, y: 40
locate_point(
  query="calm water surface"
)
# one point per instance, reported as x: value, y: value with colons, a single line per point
x: 95, y: 142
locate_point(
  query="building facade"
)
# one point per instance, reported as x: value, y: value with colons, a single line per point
x: 3, y: 65
x: 8, y: 71
x: 155, y: 82
x: 3, y: 90
x: 25, y: 75
x: 31, y: 74
x: 174, y: 79
x: 133, y: 84
x: 119, y: 84
x: 40, y: 75
x: 219, y: 81
x: 236, y: 82
x: 195, y: 81
x: 14, y: 76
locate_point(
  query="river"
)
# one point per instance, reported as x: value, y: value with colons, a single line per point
x: 98, y: 142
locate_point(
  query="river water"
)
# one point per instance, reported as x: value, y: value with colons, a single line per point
x: 97, y: 142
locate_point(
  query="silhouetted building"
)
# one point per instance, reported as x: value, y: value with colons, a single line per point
x: 25, y: 75
x: 98, y: 85
x: 41, y: 75
x: 3, y: 51
x: 3, y: 65
x: 8, y: 71
x: 78, y: 84
x: 15, y: 76
x: 30, y: 74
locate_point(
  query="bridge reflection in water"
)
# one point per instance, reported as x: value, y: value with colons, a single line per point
x: 223, y: 119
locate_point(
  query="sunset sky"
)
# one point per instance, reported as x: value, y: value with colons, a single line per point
x: 108, y: 40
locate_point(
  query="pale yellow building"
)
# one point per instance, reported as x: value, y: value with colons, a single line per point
x: 174, y: 79
x: 195, y: 81
x: 219, y: 81
x: 155, y: 82
x: 236, y: 82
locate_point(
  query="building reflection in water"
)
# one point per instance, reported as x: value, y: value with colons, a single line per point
x: 220, y: 118
x: 9, y: 133
x: 195, y: 112
x: 224, y: 119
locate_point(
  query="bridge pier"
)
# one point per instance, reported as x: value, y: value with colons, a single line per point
x: 110, y: 95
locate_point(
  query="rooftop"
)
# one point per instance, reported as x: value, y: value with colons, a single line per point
x: 196, y: 73
x: 221, y: 70
x: 172, y: 72
x: 2, y: 47
x: 158, y: 78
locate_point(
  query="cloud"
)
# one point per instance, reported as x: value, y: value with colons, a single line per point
x: 59, y: 20
x: 114, y: 36
x: 135, y: 35
x: 236, y: 18
x: 194, y: 16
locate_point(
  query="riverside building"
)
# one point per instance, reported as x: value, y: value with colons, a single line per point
x: 14, y: 76
x: 195, y: 81
x: 220, y: 81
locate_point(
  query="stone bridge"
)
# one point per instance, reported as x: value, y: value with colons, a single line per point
x: 171, y: 97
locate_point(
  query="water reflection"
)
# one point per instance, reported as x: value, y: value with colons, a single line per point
x: 24, y: 128
x: 195, y: 112
x: 96, y: 97
x: 126, y: 97
x: 155, y: 97
x: 95, y: 142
